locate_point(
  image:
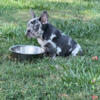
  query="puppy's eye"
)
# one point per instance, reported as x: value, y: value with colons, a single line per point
x: 33, y: 22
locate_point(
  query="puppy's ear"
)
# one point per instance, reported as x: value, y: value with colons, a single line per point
x: 44, y: 17
x: 32, y: 13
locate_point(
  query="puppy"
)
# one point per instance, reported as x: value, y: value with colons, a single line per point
x: 54, y: 42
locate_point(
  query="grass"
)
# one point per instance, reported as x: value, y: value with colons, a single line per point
x: 71, y: 78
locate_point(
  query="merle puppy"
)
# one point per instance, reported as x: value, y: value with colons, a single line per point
x: 50, y: 38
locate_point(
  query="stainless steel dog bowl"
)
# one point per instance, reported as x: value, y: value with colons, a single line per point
x: 24, y: 52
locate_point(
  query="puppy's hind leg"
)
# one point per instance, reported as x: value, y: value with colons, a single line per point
x: 50, y: 50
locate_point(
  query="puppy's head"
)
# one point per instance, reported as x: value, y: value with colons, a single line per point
x: 34, y: 26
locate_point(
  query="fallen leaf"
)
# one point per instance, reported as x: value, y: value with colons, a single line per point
x: 94, y: 97
x: 64, y: 95
x: 94, y: 58
x: 93, y: 81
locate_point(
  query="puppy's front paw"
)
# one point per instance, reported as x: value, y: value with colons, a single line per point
x: 54, y: 57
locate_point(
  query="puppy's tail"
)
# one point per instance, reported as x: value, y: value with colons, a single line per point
x: 80, y: 53
x: 77, y: 51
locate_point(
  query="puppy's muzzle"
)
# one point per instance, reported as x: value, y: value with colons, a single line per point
x: 28, y: 32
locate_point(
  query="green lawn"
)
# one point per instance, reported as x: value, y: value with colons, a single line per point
x: 69, y: 78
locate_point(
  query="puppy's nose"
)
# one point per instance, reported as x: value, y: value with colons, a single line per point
x: 28, y: 31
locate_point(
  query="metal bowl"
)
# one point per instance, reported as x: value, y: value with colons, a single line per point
x: 24, y: 52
